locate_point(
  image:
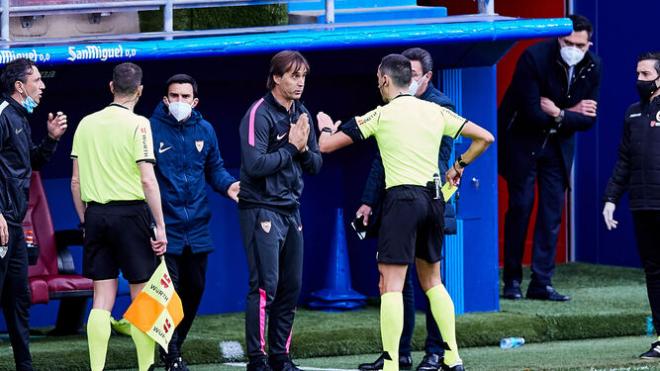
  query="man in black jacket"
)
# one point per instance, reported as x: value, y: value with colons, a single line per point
x: 637, y: 170
x: 22, y: 85
x: 372, y: 196
x: 553, y: 95
x: 277, y: 146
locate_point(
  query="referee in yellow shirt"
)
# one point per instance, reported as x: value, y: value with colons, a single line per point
x: 113, y: 176
x: 408, y: 132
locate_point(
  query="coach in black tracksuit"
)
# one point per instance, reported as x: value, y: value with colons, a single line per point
x: 637, y: 171
x: 23, y: 86
x: 277, y: 146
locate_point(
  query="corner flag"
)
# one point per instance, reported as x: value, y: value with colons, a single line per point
x: 157, y: 309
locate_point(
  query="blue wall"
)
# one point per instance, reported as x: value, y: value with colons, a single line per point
x: 622, y: 32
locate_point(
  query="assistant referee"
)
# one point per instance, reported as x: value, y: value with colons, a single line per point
x: 408, y: 132
x: 112, y: 177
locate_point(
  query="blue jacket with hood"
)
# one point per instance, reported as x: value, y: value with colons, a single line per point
x: 187, y: 157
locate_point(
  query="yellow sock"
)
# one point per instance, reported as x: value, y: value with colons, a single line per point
x: 391, y: 326
x: 442, y: 308
x: 98, y: 335
x: 145, y: 347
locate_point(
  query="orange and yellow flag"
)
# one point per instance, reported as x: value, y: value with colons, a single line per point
x: 157, y: 309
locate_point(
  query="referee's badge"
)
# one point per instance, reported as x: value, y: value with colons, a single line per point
x: 200, y: 145
x: 3, y: 251
x: 265, y: 225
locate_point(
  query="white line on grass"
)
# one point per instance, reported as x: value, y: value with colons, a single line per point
x: 234, y: 364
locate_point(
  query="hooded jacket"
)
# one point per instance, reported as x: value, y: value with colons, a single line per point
x: 18, y: 157
x: 187, y: 158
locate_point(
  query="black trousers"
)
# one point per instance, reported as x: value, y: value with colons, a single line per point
x: 188, y: 272
x: 274, y: 247
x: 15, y: 297
x: 547, y: 169
x: 647, y: 233
x: 434, y: 340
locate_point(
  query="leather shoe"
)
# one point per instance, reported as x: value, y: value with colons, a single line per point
x: 405, y: 363
x: 546, y: 293
x: 454, y: 368
x: 430, y: 362
x: 512, y: 291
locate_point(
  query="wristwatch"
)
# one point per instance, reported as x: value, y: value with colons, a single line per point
x: 326, y: 130
x: 560, y: 118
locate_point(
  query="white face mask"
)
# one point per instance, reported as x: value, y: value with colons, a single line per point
x: 414, y: 85
x: 571, y: 55
x: 180, y: 110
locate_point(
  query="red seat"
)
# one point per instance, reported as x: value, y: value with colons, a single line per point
x: 53, y: 276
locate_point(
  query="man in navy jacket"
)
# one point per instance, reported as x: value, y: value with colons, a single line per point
x: 553, y: 95
x: 187, y: 158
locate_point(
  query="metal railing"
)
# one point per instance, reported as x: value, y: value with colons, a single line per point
x: 7, y: 10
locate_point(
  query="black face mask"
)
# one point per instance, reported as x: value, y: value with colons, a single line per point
x: 646, y: 88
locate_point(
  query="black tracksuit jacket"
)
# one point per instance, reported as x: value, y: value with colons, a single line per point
x: 271, y: 167
x: 18, y: 156
x: 637, y: 169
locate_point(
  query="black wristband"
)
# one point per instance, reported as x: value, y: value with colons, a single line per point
x: 326, y: 130
x: 460, y: 161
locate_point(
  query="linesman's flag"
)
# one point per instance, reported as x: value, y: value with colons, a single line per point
x: 157, y: 309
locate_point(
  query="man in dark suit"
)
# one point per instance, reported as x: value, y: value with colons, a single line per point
x: 553, y: 95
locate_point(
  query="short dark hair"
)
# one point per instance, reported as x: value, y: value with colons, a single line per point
x: 126, y: 78
x: 284, y: 61
x: 582, y: 23
x: 651, y: 56
x: 181, y: 78
x: 398, y: 68
x: 420, y: 55
x: 16, y: 70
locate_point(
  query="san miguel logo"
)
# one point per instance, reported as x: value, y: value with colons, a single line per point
x: 99, y: 53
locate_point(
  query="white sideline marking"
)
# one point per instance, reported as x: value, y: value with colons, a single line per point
x: 234, y: 364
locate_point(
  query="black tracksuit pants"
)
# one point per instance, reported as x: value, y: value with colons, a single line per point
x: 274, y: 247
x: 15, y: 297
x: 188, y: 272
x: 647, y: 232
x: 434, y: 340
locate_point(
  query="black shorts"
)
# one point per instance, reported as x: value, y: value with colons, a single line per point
x: 117, y: 237
x: 411, y: 227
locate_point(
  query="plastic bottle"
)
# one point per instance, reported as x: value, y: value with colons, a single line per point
x: 512, y: 342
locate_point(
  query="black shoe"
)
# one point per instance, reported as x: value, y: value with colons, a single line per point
x: 512, y: 291
x: 430, y: 362
x: 458, y: 367
x: 546, y: 293
x: 653, y: 353
x: 259, y: 364
x: 405, y: 363
x: 176, y: 364
x: 283, y: 364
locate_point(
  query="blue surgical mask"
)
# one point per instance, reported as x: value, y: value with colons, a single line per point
x: 29, y: 104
